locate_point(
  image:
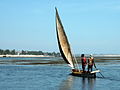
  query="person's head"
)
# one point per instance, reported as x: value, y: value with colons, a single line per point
x: 91, y: 55
x: 82, y: 55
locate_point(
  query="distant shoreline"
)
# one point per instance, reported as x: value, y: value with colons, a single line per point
x: 25, y: 56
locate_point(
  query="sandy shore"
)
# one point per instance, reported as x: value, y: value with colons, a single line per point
x: 50, y: 61
x: 24, y: 56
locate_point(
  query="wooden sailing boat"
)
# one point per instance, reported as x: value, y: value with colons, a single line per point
x: 65, y: 50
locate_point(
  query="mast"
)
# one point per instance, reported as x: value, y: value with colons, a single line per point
x: 63, y: 43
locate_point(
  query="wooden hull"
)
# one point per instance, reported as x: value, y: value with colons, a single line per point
x: 84, y: 74
x: 88, y: 75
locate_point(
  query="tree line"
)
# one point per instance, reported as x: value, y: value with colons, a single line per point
x: 26, y: 52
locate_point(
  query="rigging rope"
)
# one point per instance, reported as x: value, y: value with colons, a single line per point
x: 75, y: 61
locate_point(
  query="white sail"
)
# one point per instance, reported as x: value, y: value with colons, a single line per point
x: 63, y: 43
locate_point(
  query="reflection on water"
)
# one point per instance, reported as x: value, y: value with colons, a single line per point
x: 91, y: 82
x: 78, y: 83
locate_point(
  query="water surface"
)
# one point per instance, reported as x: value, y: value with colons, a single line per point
x: 54, y: 76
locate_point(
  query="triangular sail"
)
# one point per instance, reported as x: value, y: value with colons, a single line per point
x: 63, y: 43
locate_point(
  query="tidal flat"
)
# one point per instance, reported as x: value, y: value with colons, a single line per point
x: 52, y: 73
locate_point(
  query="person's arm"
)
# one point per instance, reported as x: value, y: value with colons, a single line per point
x: 94, y: 63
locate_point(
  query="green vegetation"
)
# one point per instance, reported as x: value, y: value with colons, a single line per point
x: 24, y: 52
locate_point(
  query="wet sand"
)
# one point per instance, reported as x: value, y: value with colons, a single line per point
x: 24, y: 56
x: 28, y: 61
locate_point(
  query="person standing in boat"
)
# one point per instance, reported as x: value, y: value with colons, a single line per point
x: 91, y: 63
x: 84, y: 62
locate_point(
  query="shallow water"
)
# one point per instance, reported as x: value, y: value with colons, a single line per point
x: 56, y: 76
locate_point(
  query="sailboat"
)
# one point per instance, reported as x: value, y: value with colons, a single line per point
x: 66, y: 53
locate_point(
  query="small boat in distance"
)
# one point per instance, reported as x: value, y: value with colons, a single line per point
x: 66, y: 52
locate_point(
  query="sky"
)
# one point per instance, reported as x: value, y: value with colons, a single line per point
x: 92, y: 26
